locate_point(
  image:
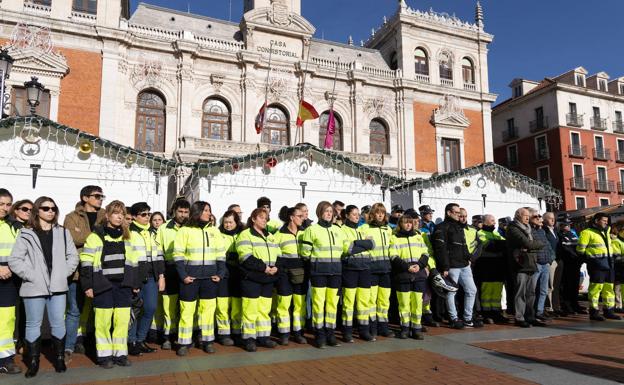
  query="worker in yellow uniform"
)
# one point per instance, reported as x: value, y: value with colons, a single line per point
x: 165, y: 237
x: 379, y: 232
x: 617, y: 234
x: 109, y: 275
x: 410, y: 257
x: 199, y: 255
x: 8, y: 286
x: 292, y: 283
x: 257, y: 254
x: 356, y: 279
x: 273, y: 225
x: 324, y: 244
x: 596, y: 246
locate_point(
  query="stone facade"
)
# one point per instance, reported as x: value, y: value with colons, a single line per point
x: 97, y: 62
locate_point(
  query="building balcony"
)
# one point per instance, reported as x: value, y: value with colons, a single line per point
x: 618, y: 127
x: 605, y: 186
x: 602, y: 154
x: 619, y: 156
x: 620, y: 188
x: 577, y: 151
x: 510, y: 134
x: 575, y: 120
x: 579, y: 183
x: 542, y: 154
x: 470, y: 86
x: 446, y: 82
x: 538, y: 124
x: 597, y: 123
x: 422, y: 78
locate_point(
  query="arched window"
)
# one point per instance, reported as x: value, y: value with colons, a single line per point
x: 85, y: 6
x: 394, y: 61
x: 276, y: 128
x: 150, y: 122
x: 421, y: 62
x: 216, y: 120
x: 446, y: 66
x: 323, y: 120
x: 378, y: 137
x: 468, y: 71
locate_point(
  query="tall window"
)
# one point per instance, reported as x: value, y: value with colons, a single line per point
x: 150, y: 122
x: 276, y: 128
x: 394, y: 61
x: 580, y: 203
x: 421, y: 62
x: 602, y: 174
x: 512, y: 155
x: 446, y: 68
x: 451, y: 154
x: 575, y: 139
x: 541, y: 148
x: 324, y: 120
x: 596, y: 111
x: 580, y: 80
x: 468, y: 71
x: 577, y: 171
x: 543, y: 174
x: 86, y: 6
x: 20, y: 106
x: 599, y: 143
x: 216, y: 120
x: 378, y: 137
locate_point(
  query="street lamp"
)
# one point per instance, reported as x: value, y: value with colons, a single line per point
x: 6, y: 63
x: 34, y: 89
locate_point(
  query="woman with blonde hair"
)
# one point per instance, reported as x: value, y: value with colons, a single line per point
x: 109, y: 275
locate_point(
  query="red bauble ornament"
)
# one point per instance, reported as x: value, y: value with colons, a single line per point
x: 270, y: 162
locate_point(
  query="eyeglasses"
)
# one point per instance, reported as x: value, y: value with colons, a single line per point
x: 98, y: 196
x: 45, y: 209
x: 536, y: 216
x: 143, y: 215
x: 24, y: 209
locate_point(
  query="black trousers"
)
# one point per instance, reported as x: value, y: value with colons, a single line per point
x: 570, y: 281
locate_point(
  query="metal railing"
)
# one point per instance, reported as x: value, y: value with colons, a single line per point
x: 510, y: 134
x: 542, y: 154
x: 538, y: 124
x: 575, y: 120
x: 576, y: 151
x: 604, y: 185
x: 598, y: 123
x: 620, y: 188
x: 602, y: 154
x: 579, y: 183
x: 619, y: 156
x: 618, y: 126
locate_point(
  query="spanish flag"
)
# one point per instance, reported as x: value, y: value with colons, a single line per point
x: 306, y: 112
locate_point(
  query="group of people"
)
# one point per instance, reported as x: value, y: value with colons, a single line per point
x: 133, y: 277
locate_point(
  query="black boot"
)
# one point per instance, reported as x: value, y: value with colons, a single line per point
x: 404, y: 333
x: 417, y: 334
x: 331, y: 338
x: 33, y: 351
x: 321, y: 341
x: 364, y: 332
x: 609, y: 314
x: 373, y: 329
x: 299, y: 338
x: 594, y: 315
x: 384, y: 330
x: 347, y: 334
x: 59, y: 354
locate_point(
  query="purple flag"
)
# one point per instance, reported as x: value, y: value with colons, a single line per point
x: 331, y: 130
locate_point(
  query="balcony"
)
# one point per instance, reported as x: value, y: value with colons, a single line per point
x: 538, y: 124
x: 446, y: 82
x: 579, y: 183
x: 620, y: 188
x: 470, y: 86
x: 510, y: 134
x: 619, y: 156
x: 575, y: 120
x: 597, y: 123
x: 602, y: 154
x: 618, y: 127
x: 422, y: 78
x: 542, y: 154
x: 575, y: 151
x: 605, y: 186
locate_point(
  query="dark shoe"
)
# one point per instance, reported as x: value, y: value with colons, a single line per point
x: 59, y: 354
x: 321, y: 341
x: 581, y: 310
x: 250, y: 345
x: 538, y: 323
x: 385, y: 331
x: 226, y: 341
x: 10, y: 368
x: 267, y: 343
x: 134, y: 349
x: 122, y: 361
x: 609, y: 314
x: 373, y: 329
x: 182, y: 351
x: 283, y: 339
x: 208, y: 347
x: 152, y: 336
x: 145, y: 348
x: 107, y: 364
x: 79, y: 348
x: 477, y: 323
x: 522, y: 324
x: 542, y: 317
x: 299, y: 338
x: 366, y: 336
x: 33, y: 352
x: 347, y: 337
x: 332, y: 340
x: 404, y: 334
x: 417, y: 334
x: 594, y: 315
x: 456, y: 324
x: 619, y: 310
x: 166, y: 345
x: 427, y: 320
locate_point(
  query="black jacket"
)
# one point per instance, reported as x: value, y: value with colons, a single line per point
x: 449, y: 245
x: 522, y: 250
x: 567, y: 246
x: 553, y: 240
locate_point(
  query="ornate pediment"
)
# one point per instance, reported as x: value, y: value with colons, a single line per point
x: 277, y: 17
x: 33, y: 61
x: 450, y: 113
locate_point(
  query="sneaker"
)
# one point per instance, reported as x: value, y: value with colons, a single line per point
x: 182, y: 351
x: 456, y: 324
x: 166, y: 345
x: 542, y: 317
x: 539, y: 323
x: 474, y: 323
x: 250, y: 345
x: 301, y: 340
x: 134, y: 349
x: 107, y: 364
x: 208, y: 347
x: 10, y: 368
x: 122, y: 361
x: 226, y: 341
x: 68, y: 357
x: 367, y: 337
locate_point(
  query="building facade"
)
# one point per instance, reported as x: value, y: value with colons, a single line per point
x: 566, y: 131
x: 412, y: 100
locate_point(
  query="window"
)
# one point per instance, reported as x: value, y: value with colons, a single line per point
x: 621, y: 175
x: 602, y: 85
x: 468, y: 71
x: 620, y: 145
x: 618, y: 116
x: 41, y: 2
x: 601, y: 174
x: 575, y: 139
x: 324, y: 120
x: 577, y: 171
x: 596, y: 112
x: 517, y: 91
x: 541, y: 148
x: 580, y: 203
x: 276, y: 128
x: 451, y: 154
x: 543, y: 175
x: 446, y: 67
x: 421, y: 62
x: 215, y: 120
x: 394, y: 61
x: 378, y: 137
x: 580, y: 80
x: 572, y: 108
x: 604, y: 202
x: 599, y: 143
x: 20, y: 106
x: 539, y: 114
x: 512, y: 131
x: 512, y: 155
x: 150, y: 122
x: 621, y: 89
x: 85, y: 6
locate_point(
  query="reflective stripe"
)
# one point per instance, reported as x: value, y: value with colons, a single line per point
x: 119, y: 270
x: 244, y: 257
x: 289, y: 242
x: 114, y: 257
x: 87, y: 250
x: 86, y: 263
x: 289, y: 256
x: 201, y: 263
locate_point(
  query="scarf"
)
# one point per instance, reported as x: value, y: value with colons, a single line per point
x: 526, y: 229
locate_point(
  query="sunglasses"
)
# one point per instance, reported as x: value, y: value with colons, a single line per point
x: 536, y: 216
x: 143, y: 215
x: 98, y: 196
x: 45, y: 209
x: 24, y: 209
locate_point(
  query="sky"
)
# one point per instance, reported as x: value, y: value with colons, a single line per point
x: 533, y: 39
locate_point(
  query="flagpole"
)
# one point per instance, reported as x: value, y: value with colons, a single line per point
x: 266, y: 87
x: 305, y: 72
x: 331, y: 105
x: 333, y: 97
